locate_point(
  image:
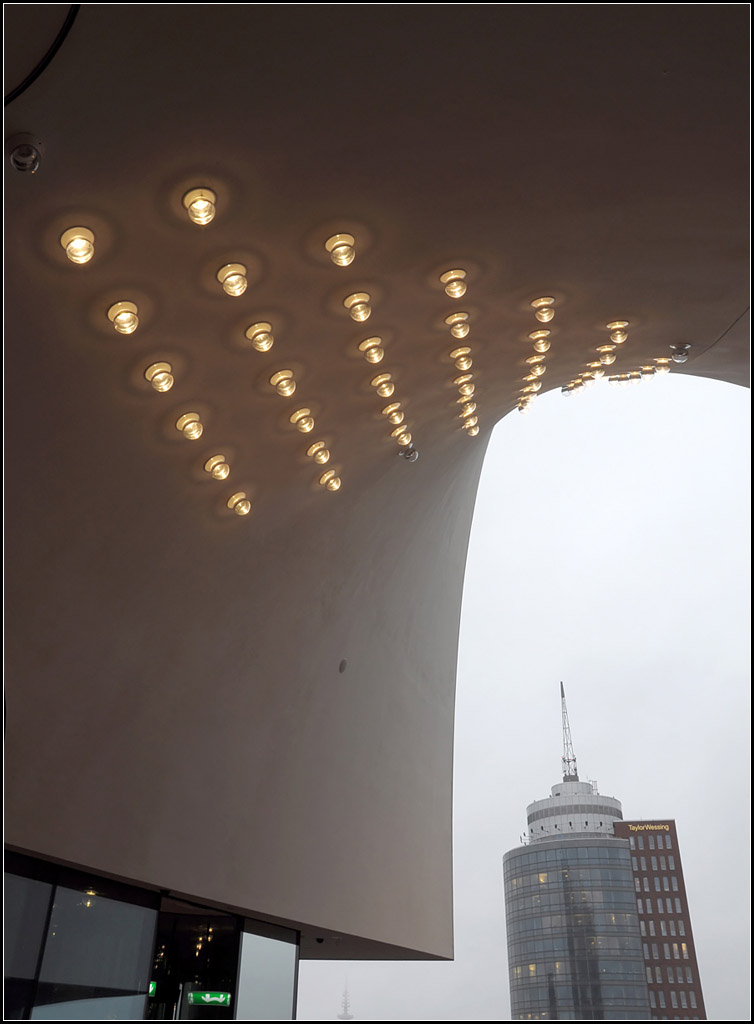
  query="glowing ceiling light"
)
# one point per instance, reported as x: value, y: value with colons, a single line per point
x: 462, y: 357
x: 318, y: 451
x: 302, y: 420
x: 534, y: 360
x: 217, y: 467
x: 239, y: 503
x: 233, y: 278
x: 260, y: 336
x: 473, y: 431
x: 463, y: 379
x: 401, y: 435
x: 663, y: 365
x: 341, y: 250
x: 372, y: 349
x: 607, y: 354
x: 330, y: 480
x: 455, y: 283
x: 596, y: 370
x: 160, y: 376
x: 543, y: 308
x: 78, y: 244
x: 200, y: 205
x: 533, y: 387
x: 466, y: 390
x: 190, y: 425
x: 384, y: 385
x: 283, y: 382
x: 648, y: 372
x: 541, y: 340
x: 538, y: 369
x: 393, y: 413
x: 617, y: 327
x: 358, y: 306
x: 468, y: 410
x: 457, y: 322
x: 124, y: 317
x: 634, y: 377
x: 470, y: 422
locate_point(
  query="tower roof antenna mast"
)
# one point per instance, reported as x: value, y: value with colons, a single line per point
x: 570, y: 771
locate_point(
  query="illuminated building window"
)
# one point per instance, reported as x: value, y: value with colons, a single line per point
x: 543, y: 878
x: 532, y: 969
x: 676, y: 954
x: 637, y: 884
x: 685, y: 949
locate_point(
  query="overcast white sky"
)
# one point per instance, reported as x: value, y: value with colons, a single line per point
x: 610, y: 550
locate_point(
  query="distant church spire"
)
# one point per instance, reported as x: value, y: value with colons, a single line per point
x: 346, y: 1014
x: 570, y: 771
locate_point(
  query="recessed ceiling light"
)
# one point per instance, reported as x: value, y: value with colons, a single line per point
x: 217, y: 467
x: 78, y: 244
x: 384, y: 385
x: 457, y: 322
x: 190, y: 425
x: 455, y: 283
x: 283, y: 382
x: 124, y: 317
x: 260, y: 336
x: 303, y: 420
x: 239, y: 503
x: 200, y: 205
x: 358, y: 306
x: 341, y: 249
x: 543, y: 308
x: 372, y: 349
x: 318, y: 451
x: 233, y: 278
x: 160, y: 376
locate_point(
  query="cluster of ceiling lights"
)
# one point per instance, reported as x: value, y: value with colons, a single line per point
x: 607, y: 355
x: 454, y: 283
x: 78, y: 243
x: 544, y: 311
x: 373, y: 352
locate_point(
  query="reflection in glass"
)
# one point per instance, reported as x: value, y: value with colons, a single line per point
x: 266, y: 978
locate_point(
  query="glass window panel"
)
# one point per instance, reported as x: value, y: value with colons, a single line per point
x: 671, y: 863
x: 26, y: 904
x: 679, y: 975
x: 653, y: 861
x: 670, y: 975
x: 677, y: 906
x: 665, y: 884
x: 266, y: 979
x: 641, y: 842
x: 659, y: 842
x: 663, y: 928
x: 674, y: 1000
x: 658, y: 975
x: 651, y: 842
x: 648, y: 903
x: 666, y: 950
x: 651, y: 928
x: 657, y: 883
x: 652, y: 1000
x: 667, y: 843
x: 643, y: 863
x: 639, y: 906
x: 692, y: 1000
x: 98, y: 951
x: 685, y: 950
x: 681, y: 928
x: 674, y: 880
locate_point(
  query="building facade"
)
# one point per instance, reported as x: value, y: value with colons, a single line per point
x: 574, y: 941
x: 675, y: 989
x: 596, y: 911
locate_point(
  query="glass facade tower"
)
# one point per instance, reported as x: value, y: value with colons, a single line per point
x: 574, y: 946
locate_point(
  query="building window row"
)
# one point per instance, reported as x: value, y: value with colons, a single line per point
x: 663, y: 842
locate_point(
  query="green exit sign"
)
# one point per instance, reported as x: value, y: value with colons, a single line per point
x: 152, y: 989
x: 209, y: 998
